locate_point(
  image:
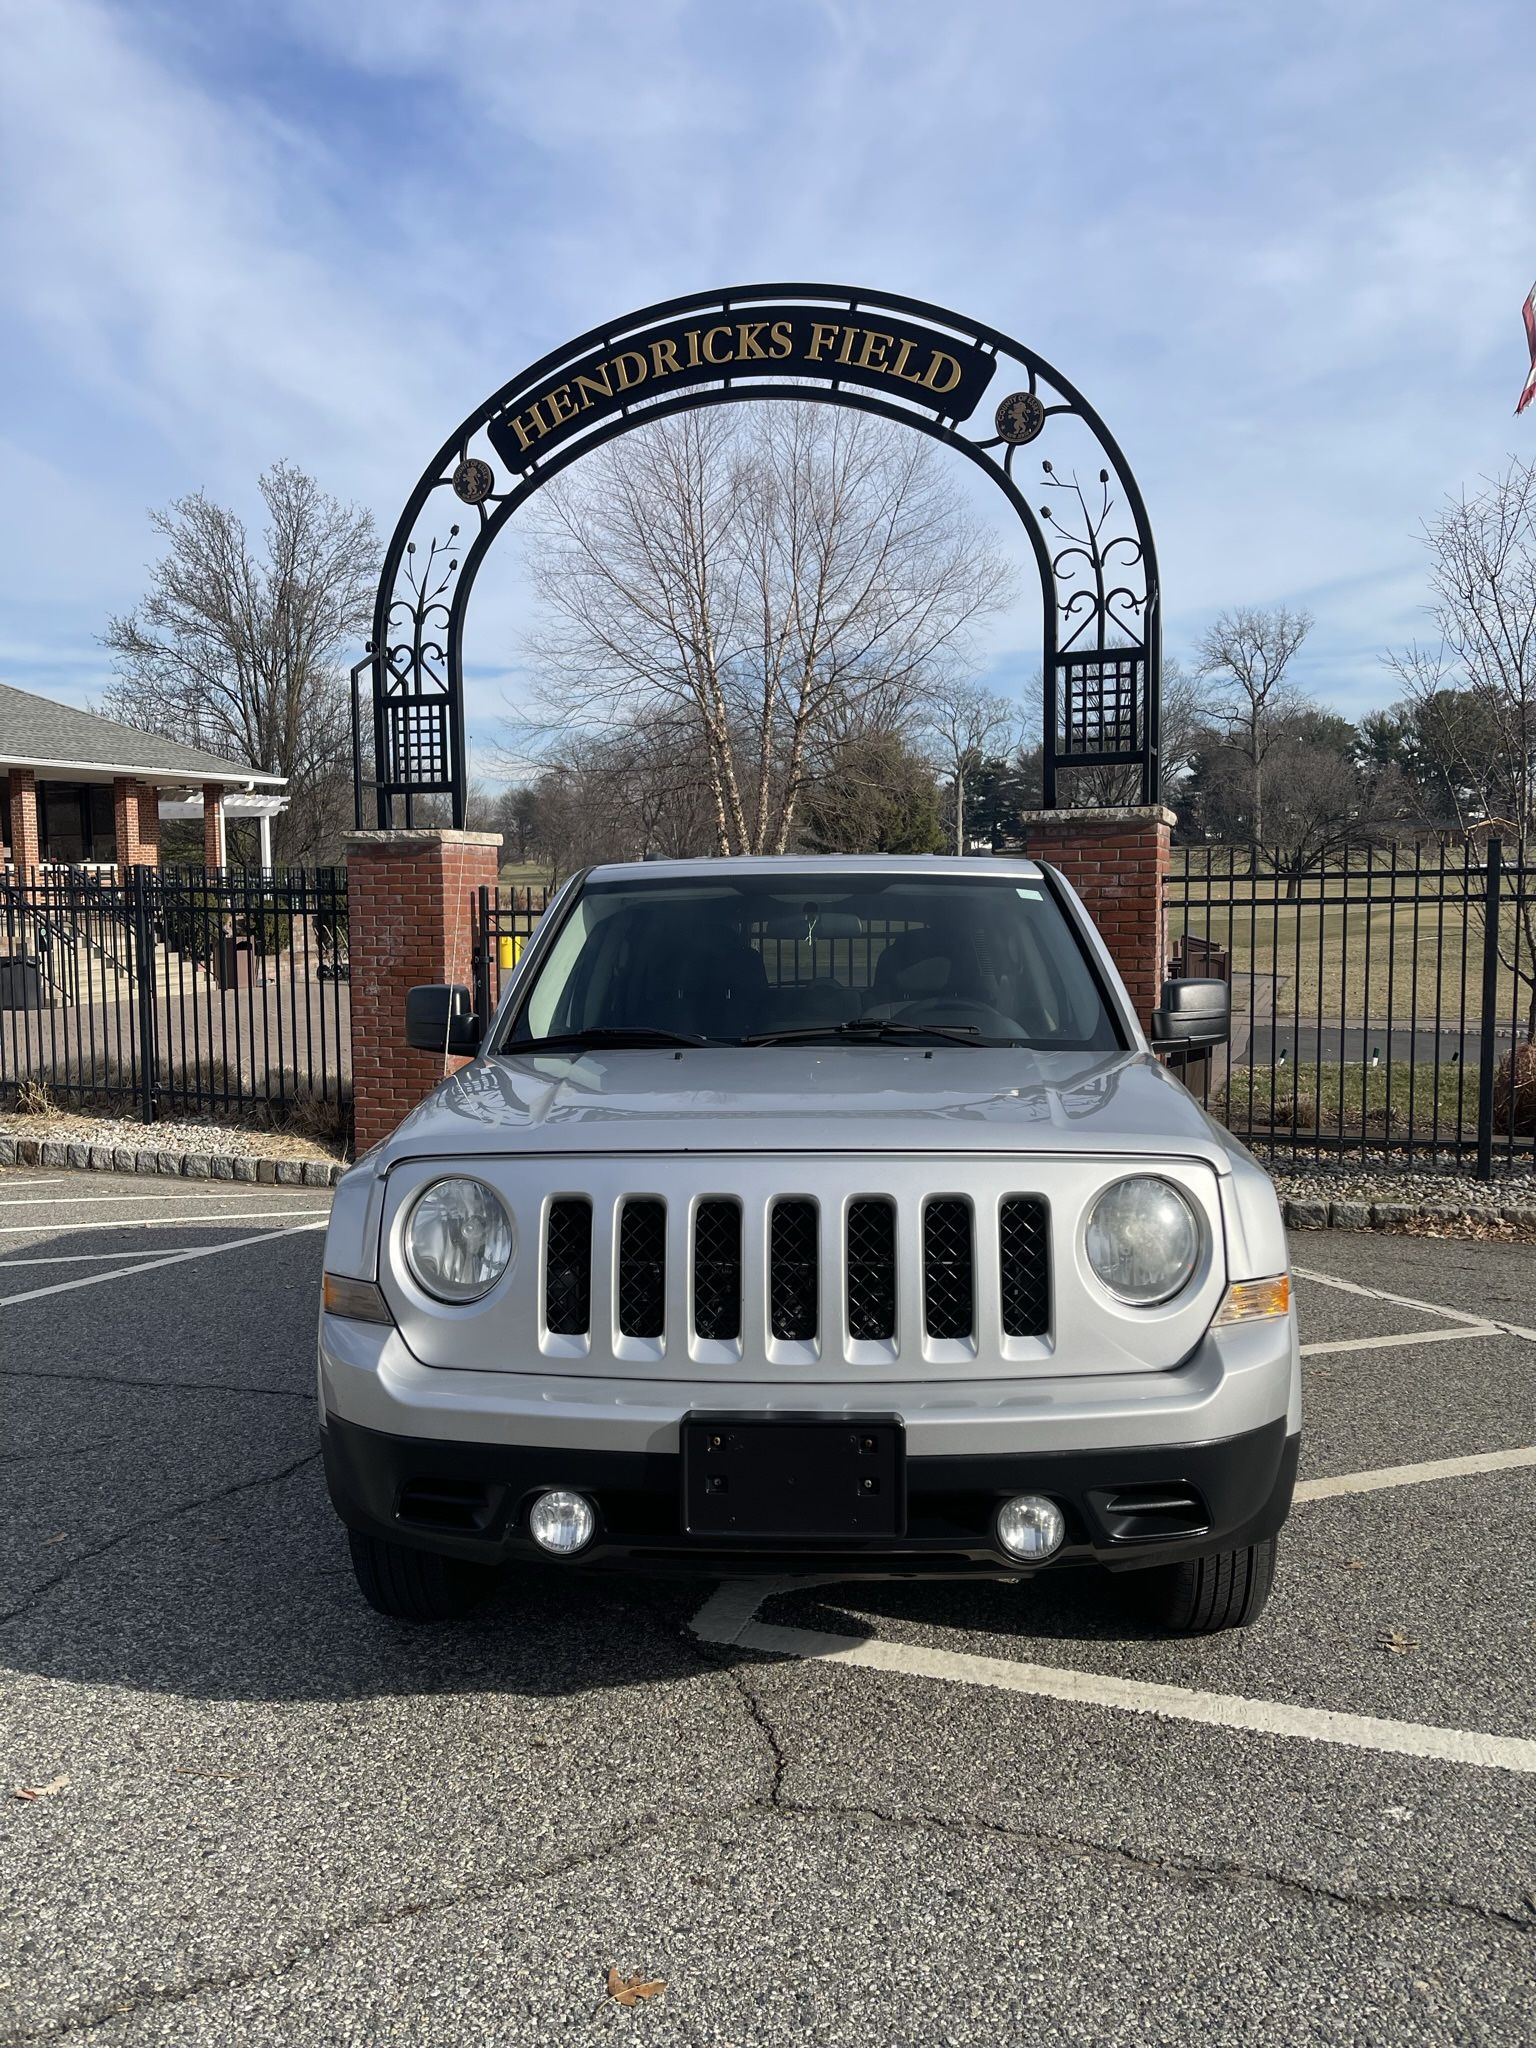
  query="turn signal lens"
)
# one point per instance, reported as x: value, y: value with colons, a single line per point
x: 1249, y: 1301
x: 359, y: 1299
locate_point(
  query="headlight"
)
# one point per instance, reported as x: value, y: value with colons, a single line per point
x: 1143, y: 1240
x: 458, y: 1240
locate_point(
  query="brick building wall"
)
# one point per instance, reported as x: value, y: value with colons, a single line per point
x: 409, y: 899
x: 1117, y: 860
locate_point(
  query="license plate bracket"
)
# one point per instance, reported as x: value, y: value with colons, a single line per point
x: 794, y: 1477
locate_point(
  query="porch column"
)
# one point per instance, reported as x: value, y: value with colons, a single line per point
x: 149, y: 825
x: 128, y: 823
x: 1117, y: 861
x: 26, y: 840
x: 264, y: 831
x: 213, y: 825
x: 410, y: 904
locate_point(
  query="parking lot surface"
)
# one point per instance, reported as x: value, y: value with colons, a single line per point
x: 962, y: 1814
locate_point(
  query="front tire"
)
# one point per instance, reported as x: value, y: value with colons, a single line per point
x: 417, y: 1585
x: 1208, y: 1594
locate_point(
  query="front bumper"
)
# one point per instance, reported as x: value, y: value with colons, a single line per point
x: 450, y: 1460
x: 471, y: 1501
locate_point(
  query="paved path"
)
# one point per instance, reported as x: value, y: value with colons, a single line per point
x: 968, y: 1814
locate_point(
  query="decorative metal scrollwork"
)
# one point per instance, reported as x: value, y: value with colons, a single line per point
x: 899, y: 358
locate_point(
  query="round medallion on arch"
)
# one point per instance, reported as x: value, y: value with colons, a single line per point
x: 473, y: 481
x: 1020, y: 416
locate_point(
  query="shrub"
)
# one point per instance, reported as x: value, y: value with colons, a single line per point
x: 1514, y: 1092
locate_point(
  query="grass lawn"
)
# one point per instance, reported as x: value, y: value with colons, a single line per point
x: 1347, y: 949
x: 1353, y: 1100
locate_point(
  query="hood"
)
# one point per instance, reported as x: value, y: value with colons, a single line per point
x: 810, y: 1099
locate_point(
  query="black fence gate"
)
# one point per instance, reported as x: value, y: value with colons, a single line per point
x: 1384, y: 1002
x: 181, y: 992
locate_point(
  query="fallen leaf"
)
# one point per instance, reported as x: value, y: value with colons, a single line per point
x: 62, y: 1537
x: 1352, y: 1564
x: 630, y: 1990
x: 41, y: 1791
x: 1395, y: 1641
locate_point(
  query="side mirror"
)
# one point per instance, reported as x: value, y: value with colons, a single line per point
x: 439, y: 1018
x: 1193, y: 1015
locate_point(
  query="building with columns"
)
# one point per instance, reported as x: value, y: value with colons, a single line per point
x: 80, y: 790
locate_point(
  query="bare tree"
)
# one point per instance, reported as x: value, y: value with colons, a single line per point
x: 966, y: 724
x: 771, y: 582
x: 1474, y: 685
x: 241, y: 652
x: 1246, y: 653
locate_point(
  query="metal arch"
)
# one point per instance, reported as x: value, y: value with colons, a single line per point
x: 1100, y: 685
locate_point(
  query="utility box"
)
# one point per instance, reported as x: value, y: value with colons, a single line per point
x: 21, y: 986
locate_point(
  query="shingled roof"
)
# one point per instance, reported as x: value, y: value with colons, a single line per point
x: 35, y: 732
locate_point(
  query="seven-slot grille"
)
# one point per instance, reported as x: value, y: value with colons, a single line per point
x: 1024, y: 1245
x: 643, y: 1268
x: 794, y: 1278
x: 949, y: 1277
x: 871, y: 1258
x: 717, y: 1271
x: 568, y: 1267
x: 792, y: 1271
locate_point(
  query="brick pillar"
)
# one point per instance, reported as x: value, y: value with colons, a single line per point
x: 26, y: 838
x: 149, y: 825
x: 128, y: 807
x: 410, y: 899
x: 213, y: 825
x: 1117, y: 861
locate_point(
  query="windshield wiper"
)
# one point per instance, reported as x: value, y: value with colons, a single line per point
x: 857, y: 1028
x: 612, y: 1036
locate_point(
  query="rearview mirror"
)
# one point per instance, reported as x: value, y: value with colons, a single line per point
x: 1193, y: 1015
x: 439, y: 1017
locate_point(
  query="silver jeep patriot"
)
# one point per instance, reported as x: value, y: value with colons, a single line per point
x: 821, y: 1215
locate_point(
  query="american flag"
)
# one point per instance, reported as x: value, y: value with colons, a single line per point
x: 1530, y: 335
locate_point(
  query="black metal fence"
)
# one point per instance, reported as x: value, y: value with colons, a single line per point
x: 180, y: 992
x: 1384, y: 1003
x: 504, y: 921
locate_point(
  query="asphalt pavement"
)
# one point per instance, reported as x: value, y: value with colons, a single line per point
x: 821, y: 1814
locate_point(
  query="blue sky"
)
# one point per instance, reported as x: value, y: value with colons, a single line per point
x: 1282, y: 249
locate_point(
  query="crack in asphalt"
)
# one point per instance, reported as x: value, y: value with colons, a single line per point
x: 208, y: 1500
x: 660, y: 1820
x: 109, y: 1379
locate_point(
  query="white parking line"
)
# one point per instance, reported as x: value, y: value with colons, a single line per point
x: 1431, y: 1308
x: 203, y: 1251
x: 727, y: 1618
x: 82, y: 1258
x: 1415, y: 1475
x: 227, y: 1192
x: 152, y: 1222
x: 1457, y: 1336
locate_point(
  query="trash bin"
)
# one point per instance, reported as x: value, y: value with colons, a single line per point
x: 21, y: 986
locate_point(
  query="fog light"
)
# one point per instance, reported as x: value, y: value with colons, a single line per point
x: 561, y: 1522
x: 1030, y: 1527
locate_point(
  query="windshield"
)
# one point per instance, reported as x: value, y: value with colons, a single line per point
x: 847, y: 958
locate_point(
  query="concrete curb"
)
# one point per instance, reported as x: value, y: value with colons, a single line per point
x: 81, y: 1156
x: 1302, y: 1215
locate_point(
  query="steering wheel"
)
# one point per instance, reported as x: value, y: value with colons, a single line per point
x: 990, y: 1022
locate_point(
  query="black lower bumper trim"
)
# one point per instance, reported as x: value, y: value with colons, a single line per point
x: 1125, y: 1509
